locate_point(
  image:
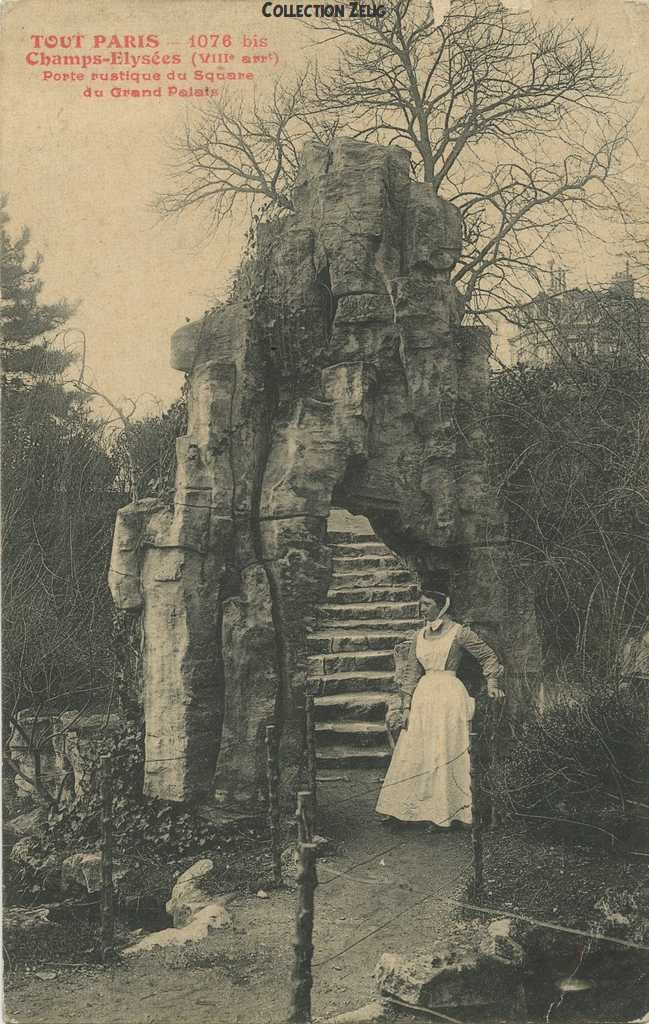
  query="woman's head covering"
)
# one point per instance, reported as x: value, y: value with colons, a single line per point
x: 443, y: 602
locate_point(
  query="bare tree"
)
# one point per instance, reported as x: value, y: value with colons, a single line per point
x: 245, y: 152
x: 521, y: 125
x: 576, y: 326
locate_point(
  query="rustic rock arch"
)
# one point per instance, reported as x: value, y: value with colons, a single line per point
x: 338, y: 372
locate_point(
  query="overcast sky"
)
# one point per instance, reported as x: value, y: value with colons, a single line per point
x: 82, y: 174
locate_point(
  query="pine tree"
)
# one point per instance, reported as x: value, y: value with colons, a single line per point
x: 27, y: 355
x: 58, y: 502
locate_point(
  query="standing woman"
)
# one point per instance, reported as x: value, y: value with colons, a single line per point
x: 429, y: 775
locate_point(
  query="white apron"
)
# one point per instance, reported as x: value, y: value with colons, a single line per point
x: 428, y: 778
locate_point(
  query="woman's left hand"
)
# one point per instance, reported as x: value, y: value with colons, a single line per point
x: 495, y: 692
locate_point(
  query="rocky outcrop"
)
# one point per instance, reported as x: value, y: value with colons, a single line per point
x: 83, y: 870
x: 465, y: 969
x: 196, y: 911
x: 59, y: 752
x: 337, y: 373
x: 193, y: 891
x: 211, y: 918
x: 77, y: 740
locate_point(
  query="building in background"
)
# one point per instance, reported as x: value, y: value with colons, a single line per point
x: 577, y: 324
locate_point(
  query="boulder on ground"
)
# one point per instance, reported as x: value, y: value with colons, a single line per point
x: 208, y: 919
x: 501, y: 943
x: 196, y: 911
x: 82, y: 869
x: 462, y: 970
x: 193, y: 890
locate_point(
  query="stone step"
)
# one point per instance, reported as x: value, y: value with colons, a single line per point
x: 350, y: 682
x: 368, y: 595
x: 400, y: 611
x: 358, y: 627
x: 335, y: 640
x: 361, y: 734
x: 344, y: 563
x: 351, y: 661
x: 361, y: 550
x: 351, y: 706
x: 347, y: 756
x: 370, y: 578
x: 371, y: 606
x: 347, y: 537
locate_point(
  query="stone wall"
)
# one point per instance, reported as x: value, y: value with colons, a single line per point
x: 339, y: 372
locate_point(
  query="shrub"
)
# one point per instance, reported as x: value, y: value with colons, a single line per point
x: 142, y: 826
x: 583, y: 759
x: 569, y: 456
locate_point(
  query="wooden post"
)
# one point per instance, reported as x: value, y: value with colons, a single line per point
x: 303, y: 945
x: 476, y: 821
x: 492, y: 717
x: 107, y: 919
x: 272, y: 775
x: 311, y: 752
x: 304, y: 815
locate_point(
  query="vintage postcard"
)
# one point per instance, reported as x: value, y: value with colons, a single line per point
x: 325, y: 511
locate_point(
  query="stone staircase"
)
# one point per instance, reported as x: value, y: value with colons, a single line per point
x: 370, y: 607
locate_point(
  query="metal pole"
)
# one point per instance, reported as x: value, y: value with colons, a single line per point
x: 311, y: 751
x: 303, y: 945
x: 107, y: 918
x: 272, y: 775
x: 304, y: 815
x: 476, y: 822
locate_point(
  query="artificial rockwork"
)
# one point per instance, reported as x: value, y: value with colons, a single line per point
x: 338, y: 373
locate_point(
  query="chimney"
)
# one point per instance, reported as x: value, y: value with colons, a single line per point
x: 623, y: 284
x: 557, y: 279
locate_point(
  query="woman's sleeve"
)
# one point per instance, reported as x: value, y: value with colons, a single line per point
x: 482, y: 652
x: 407, y: 671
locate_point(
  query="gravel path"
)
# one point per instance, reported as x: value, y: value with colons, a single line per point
x: 373, y: 897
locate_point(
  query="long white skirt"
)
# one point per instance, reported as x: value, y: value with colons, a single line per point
x: 429, y: 776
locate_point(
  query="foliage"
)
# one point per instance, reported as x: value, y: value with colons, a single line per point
x: 518, y: 123
x: 23, y: 317
x: 61, y: 490
x: 153, y: 839
x: 584, y: 759
x: 59, y: 501
x: 145, y: 451
x: 139, y: 824
x: 569, y: 443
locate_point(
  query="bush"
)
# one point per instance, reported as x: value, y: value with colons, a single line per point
x: 583, y: 759
x: 141, y: 826
x: 569, y: 457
